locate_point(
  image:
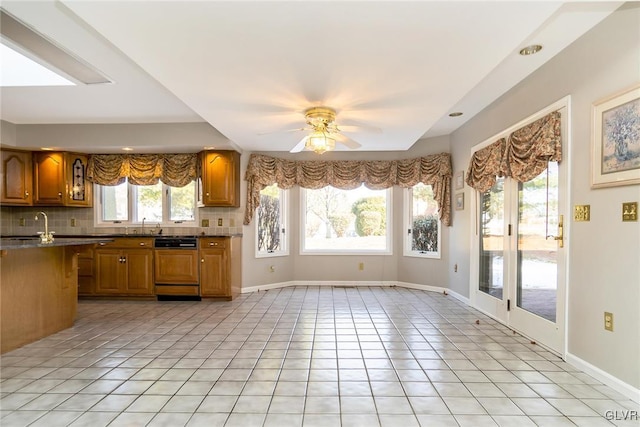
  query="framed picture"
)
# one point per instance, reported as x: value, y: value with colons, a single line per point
x: 615, y: 140
x: 459, y: 180
x: 459, y: 201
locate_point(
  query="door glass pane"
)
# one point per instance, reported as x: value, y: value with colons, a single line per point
x: 537, y: 270
x: 492, y: 240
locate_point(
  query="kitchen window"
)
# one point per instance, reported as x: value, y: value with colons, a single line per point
x: 421, y: 222
x: 127, y: 204
x: 271, y: 223
x: 353, y: 222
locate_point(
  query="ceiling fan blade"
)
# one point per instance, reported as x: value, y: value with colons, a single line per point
x: 284, y: 131
x: 300, y: 145
x: 354, y: 128
x: 347, y: 142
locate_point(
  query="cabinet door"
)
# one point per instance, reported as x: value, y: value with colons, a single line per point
x: 86, y: 272
x: 139, y: 271
x: 110, y: 278
x: 79, y: 191
x: 220, y: 181
x: 48, y: 175
x: 17, y: 174
x: 213, y: 273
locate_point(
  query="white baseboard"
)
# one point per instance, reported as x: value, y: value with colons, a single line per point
x: 618, y: 385
x: 343, y: 283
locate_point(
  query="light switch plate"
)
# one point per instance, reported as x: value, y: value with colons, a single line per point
x: 582, y: 213
x: 205, y: 222
x: 630, y: 211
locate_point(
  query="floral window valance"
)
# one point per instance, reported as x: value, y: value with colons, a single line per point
x: 176, y: 170
x: 522, y: 156
x: 349, y: 174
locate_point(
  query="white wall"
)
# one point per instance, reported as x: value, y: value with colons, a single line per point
x: 604, y: 267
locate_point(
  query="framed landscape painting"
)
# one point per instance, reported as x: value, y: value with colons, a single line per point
x: 615, y: 140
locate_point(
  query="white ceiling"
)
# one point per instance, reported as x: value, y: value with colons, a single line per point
x: 250, y: 68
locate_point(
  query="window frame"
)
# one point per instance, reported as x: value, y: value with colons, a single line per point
x: 132, y: 210
x: 389, y: 235
x: 408, y: 225
x: 284, y: 229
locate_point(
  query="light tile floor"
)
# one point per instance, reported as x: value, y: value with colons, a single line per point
x: 304, y: 356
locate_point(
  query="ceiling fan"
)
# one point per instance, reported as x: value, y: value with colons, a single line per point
x: 324, y: 132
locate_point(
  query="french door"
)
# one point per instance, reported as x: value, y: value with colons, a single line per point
x: 519, y: 273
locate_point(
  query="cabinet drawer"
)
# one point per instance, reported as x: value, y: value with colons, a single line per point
x: 213, y: 242
x: 128, y: 242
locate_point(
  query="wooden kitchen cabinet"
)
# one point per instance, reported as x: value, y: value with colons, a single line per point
x: 220, y: 272
x: 17, y: 176
x: 124, y: 267
x: 59, y: 179
x: 219, y: 183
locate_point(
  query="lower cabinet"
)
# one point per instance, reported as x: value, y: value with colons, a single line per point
x: 125, y: 270
x: 127, y: 267
x: 220, y: 272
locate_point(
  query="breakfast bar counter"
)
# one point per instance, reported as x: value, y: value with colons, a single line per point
x: 38, y: 288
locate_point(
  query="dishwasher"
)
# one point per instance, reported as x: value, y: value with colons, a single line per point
x: 176, y: 268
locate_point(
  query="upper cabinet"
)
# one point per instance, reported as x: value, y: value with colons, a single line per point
x: 78, y: 191
x: 17, y: 175
x: 219, y: 184
x: 45, y: 178
x: 60, y: 179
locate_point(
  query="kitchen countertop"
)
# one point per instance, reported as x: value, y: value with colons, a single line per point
x: 34, y: 242
x: 31, y: 241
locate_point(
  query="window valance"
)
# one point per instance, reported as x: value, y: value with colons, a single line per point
x: 349, y: 174
x: 176, y: 170
x: 522, y: 156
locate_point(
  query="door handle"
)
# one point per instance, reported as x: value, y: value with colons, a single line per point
x: 560, y: 236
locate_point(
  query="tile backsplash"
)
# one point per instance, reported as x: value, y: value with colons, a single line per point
x: 60, y: 221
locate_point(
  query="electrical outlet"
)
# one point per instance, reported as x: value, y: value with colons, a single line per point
x: 219, y: 222
x: 608, y: 321
x: 72, y: 222
x: 232, y: 222
x: 361, y: 266
x: 205, y: 222
x: 455, y: 268
x: 23, y: 222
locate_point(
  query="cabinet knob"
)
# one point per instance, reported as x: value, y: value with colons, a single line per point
x: 26, y: 194
x: 141, y: 244
x: 102, y: 243
x: 213, y: 244
x: 207, y: 194
x: 202, y: 260
x: 59, y: 194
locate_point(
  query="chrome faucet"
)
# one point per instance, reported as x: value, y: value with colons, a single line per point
x: 45, y: 236
x: 142, y: 229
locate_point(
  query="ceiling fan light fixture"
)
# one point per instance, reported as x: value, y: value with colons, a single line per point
x: 319, y: 142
